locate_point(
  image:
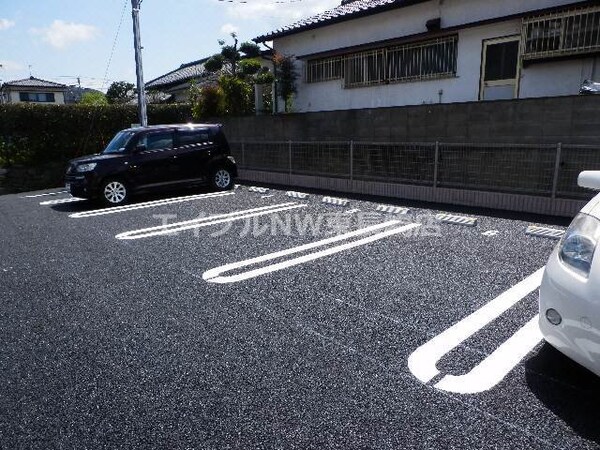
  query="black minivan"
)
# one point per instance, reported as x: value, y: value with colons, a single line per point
x: 151, y: 158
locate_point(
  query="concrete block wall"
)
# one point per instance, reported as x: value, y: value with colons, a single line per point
x: 570, y: 120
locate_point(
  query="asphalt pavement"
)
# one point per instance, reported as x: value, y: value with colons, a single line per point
x: 256, y: 319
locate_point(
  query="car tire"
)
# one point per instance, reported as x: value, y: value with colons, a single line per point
x: 114, y: 192
x: 221, y: 179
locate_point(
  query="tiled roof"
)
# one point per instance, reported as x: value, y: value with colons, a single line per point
x: 33, y: 82
x: 185, y: 72
x: 346, y: 11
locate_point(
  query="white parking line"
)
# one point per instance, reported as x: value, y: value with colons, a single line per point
x: 422, y: 362
x: 62, y: 200
x: 150, y: 204
x: 46, y: 194
x: 206, y: 221
x: 215, y: 275
x: 489, y: 372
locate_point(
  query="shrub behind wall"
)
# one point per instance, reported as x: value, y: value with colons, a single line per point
x: 36, y: 141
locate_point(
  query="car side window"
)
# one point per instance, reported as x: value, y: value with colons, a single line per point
x: 162, y: 140
x: 192, y: 137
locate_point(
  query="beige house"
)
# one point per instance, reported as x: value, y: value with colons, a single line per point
x: 33, y: 90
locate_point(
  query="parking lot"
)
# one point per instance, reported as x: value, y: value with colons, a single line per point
x: 262, y: 318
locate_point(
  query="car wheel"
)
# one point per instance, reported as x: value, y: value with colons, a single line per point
x: 114, y: 193
x: 221, y: 179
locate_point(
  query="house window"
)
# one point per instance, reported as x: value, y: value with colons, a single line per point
x: 324, y: 69
x: 567, y: 33
x: 365, y: 68
x: 433, y: 59
x: 408, y: 62
x: 40, y: 97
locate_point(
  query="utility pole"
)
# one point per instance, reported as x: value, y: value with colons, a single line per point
x: 135, y: 13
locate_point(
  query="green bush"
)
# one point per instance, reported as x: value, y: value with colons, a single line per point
x: 237, y: 94
x: 207, y: 101
x: 43, y: 136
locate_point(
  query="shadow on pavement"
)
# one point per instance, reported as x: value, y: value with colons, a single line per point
x: 89, y: 205
x: 569, y: 390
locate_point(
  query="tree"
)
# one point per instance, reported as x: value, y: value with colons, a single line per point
x: 240, y: 68
x: 93, y: 98
x: 228, y: 59
x: 286, y: 77
x: 207, y: 101
x: 237, y: 95
x: 120, y: 92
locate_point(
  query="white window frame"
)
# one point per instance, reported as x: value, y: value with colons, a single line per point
x: 482, y: 82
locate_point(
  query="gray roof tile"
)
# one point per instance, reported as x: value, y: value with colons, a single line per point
x: 33, y: 82
x: 184, y: 73
x: 346, y: 11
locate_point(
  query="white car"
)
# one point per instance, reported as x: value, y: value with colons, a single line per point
x: 570, y: 290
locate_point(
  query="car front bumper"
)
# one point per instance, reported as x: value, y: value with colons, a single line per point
x: 83, y: 185
x: 577, y: 300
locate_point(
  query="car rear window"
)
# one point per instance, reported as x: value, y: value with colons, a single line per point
x: 158, y: 141
x: 191, y: 137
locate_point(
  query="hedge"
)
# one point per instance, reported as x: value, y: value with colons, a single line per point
x: 40, y: 139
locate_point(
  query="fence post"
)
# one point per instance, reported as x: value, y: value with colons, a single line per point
x: 556, y: 169
x: 436, y: 164
x: 290, y: 159
x: 351, y: 160
x: 243, y: 154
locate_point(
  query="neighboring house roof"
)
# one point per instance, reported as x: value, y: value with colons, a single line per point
x: 191, y: 71
x: 186, y: 72
x: 33, y: 82
x: 346, y: 11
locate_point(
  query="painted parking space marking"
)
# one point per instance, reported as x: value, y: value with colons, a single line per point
x: 335, y: 201
x: 216, y: 275
x: 392, y: 209
x: 175, y: 227
x: 294, y: 194
x: 422, y: 362
x: 62, y: 200
x: 456, y: 220
x: 490, y: 233
x: 46, y: 194
x: 550, y: 233
x: 150, y: 204
x: 260, y: 190
x: 496, y: 366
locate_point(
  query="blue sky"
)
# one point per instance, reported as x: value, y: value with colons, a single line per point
x: 65, y: 39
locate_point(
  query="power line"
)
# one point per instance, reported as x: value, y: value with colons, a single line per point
x: 114, y: 46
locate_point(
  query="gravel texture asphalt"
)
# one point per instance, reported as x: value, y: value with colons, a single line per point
x: 121, y: 343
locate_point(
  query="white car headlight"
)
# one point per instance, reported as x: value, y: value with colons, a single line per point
x: 579, y: 244
x: 86, y: 167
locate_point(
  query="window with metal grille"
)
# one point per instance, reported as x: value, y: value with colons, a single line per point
x: 424, y: 60
x: 566, y: 33
x: 324, y: 69
x: 408, y: 62
x: 365, y: 68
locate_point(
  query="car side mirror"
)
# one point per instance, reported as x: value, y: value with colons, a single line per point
x: 140, y: 148
x: 589, y: 179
